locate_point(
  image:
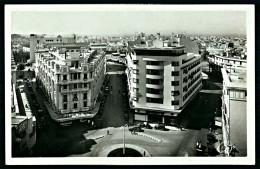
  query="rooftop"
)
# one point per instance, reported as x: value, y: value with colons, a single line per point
x: 235, y: 77
x: 18, y: 119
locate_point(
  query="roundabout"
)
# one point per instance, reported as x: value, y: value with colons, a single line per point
x: 130, y: 151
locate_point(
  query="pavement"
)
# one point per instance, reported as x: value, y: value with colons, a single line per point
x: 113, y: 115
x: 174, y: 143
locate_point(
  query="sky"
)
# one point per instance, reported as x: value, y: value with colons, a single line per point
x: 128, y: 22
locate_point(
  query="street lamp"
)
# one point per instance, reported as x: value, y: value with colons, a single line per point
x: 124, y: 138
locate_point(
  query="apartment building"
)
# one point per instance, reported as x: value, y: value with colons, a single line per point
x: 162, y: 79
x: 23, y: 123
x: 71, y: 78
x: 234, y: 109
x: 220, y: 61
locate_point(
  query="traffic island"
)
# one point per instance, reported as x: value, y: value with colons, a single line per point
x: 130, y: 151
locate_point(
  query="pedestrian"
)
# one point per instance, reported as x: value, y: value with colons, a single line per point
x: 144, y: 153
x: 107, y: 132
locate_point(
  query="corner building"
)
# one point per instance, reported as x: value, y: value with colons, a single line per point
x: 71, y: 78
x: 162, y: 79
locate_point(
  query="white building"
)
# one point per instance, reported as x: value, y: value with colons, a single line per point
x: 162, y: 79
x: 71, y: 79
x: 234, y: 106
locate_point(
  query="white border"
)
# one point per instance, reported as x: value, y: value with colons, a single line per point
x: 249, y: 160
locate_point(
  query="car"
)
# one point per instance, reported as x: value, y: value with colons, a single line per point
x: 136, y: 128
x: 107, y: 89
x: 160, y: 127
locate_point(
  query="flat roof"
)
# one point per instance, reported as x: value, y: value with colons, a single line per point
x: 18, y: 119
x: 235, y: 77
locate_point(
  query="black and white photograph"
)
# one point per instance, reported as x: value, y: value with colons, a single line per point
x: 129, y: 84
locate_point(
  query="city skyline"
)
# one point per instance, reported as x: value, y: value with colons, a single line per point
x: 90, y: 81
x: 87, y: 22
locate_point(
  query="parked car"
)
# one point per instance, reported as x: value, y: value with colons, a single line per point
x: 160, y: 127
x: 136, y: 128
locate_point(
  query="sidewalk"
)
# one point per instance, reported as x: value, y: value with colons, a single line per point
x: 219, y: 137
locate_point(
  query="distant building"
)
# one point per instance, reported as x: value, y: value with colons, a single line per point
x: 162, y: 79
x: 98, y: 46
x: 221, y: 61
x: 36, y: 41
x: 64, y: 39
x: 234, y: 109
x: 71, y: 78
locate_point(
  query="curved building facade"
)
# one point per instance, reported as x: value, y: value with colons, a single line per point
x: 161, y: 81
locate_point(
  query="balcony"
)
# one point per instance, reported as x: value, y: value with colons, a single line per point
x: 154, y: 67
x: 154, y: 86
x: 154, y: 76
x: 75, y: 90
x: 154, y: 95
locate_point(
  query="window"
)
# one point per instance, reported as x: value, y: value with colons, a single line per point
x: 75, y: 97
x: 153, y: 81
x: 65, y: 106
x: 65, y: 98
x: 175, y: 93
x: 85, y: 85
x: 237, y: 94
x: 232, y: 95
x: 175, y: 83
x: 135, y: 62
x: 175, y: 73
x: 154, y: 91
x: 85, y: 76
x: 154, y: 63
x: 175, y: 63
x: 154, y: 100
x: 136, y: 89
x: 242, y: 95
x: 135, y: 80
x: 65, y: 87
x: 75, y: 105
x: 135, y: 71
x: 74, y: 76
x: 85, y: 96
x: 176, y: 102
x: 85, y: 104
x: 75, y: 85
x: 154, y: 72
x: 64, y: 77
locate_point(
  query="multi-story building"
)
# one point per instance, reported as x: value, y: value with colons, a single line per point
x: 71, y: 79
x: 234, y: 105
x: 162, y: 79
x: 23, y: 122
x: 224, y: 60
x: 98, y: 46
x: 36, y: 41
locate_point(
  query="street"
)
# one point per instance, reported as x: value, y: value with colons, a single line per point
x: 54, y: 140
x: 113, y: 115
